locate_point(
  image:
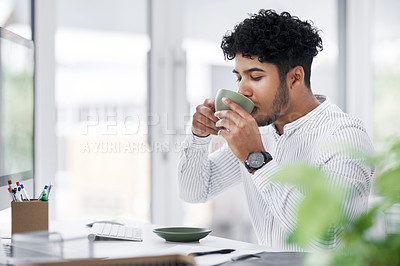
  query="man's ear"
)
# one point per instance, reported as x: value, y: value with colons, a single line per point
x: 296, y: 77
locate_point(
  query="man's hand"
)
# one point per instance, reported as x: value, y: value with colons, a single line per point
x: 204, y: 119
x: 240, y: 130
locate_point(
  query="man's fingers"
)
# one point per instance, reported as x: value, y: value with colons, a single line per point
x: 223, y: 132
x: 213, y: 132
x: 235, y: 107
x: 207, y: 112
x: 201, y: 129
x: 225, y: 123
x: 205, y: 121
x: 228, y: 114
x: 209, y: 102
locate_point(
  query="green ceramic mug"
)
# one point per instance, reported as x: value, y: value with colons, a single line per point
x: 238, y: 98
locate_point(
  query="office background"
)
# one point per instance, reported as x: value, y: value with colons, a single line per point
x: 118, y: 80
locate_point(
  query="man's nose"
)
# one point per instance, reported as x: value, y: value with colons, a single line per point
x: 245, y: 90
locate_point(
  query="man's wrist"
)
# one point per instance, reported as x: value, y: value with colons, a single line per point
x: 194, y: 134
x: 198, y: 135
x: 257, y: 160
x: 198, y: 140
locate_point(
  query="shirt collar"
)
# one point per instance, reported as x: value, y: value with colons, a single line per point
x: 310, y: 116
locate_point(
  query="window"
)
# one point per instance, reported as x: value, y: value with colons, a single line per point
x: 385, y: 56
x: 101, y: 99
x: 15, y: 15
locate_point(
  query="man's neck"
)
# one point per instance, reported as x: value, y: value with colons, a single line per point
x: 296, y: 110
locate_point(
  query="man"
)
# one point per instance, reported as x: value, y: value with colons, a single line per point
x: 273, y: 54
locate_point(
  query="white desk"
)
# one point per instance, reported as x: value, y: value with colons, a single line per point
x: 151, y: 245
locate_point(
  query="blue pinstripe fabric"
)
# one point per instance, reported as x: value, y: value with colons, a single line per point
x: 319, y: 138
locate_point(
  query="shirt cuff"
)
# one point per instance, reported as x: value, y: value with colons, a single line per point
x: 201, y: 140
x: 197, y: 142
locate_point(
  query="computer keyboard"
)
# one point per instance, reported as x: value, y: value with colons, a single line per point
x: 115, y: 231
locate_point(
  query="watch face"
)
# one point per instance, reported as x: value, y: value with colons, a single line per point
x: 256, y: 159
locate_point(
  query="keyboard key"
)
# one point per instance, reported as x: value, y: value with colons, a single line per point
x: 114, y: 230
x: 129, y: 232
x: 106, y: 229
x: 121, y: 232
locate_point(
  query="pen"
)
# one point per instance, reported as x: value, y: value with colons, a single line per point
x: 220, y: 251
x: 24, y: 192
x: 44, y: 196
x: 49, y: 190
x: 14, y: 191
x: 11, y: 194
x: 41, y: 194
x: 19, y: 194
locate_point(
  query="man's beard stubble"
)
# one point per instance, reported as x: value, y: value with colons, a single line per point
x: 280, y: 101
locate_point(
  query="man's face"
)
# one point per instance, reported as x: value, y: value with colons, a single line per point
x: 260, y: 82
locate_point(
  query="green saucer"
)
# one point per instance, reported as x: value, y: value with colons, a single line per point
x: 182, y: 234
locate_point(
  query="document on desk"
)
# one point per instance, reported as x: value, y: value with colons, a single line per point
x: 211, y: 259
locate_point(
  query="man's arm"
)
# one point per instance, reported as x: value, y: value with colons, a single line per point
x: 202, y: 175
x: 342, y: 167
x: 347, y: 166
x: 282, y: 199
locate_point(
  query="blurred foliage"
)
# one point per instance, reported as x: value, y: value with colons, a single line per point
x: 16, y: 121
x: 323, y: 206
x: 314, y: 220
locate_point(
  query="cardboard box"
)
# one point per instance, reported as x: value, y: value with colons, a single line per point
x: 29, y: 216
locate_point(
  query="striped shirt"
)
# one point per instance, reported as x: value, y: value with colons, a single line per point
x: 273, y: 205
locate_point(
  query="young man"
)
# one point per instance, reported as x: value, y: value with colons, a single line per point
x: 273, y: 54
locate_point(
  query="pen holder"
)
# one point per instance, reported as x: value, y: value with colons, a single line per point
x: 29, y: 216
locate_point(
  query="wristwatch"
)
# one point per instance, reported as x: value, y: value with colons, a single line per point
x: 256, y: 160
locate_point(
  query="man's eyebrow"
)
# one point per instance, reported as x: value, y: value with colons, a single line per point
x: 249, y: 70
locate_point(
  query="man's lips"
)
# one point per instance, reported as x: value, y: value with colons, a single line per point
x: 254, y: 110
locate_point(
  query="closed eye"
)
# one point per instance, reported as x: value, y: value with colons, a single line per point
x: 256, y: 78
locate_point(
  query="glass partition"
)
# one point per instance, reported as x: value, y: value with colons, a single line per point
x: 385, y: 58
x: 15, y: 16
x: 101, y: 99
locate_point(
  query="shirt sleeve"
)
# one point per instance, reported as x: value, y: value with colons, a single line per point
x: 281, y: 199
x: 343, y: 165
x: 201, y: 175
x: 346, y: 167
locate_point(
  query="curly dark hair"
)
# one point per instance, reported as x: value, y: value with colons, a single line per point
x: 280, y: 39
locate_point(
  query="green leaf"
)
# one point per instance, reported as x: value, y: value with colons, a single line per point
x: 317, y: 213
x: 388, y: 185
x: 364, y: 222
x: 395, y: 149
x: 299, y: 174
